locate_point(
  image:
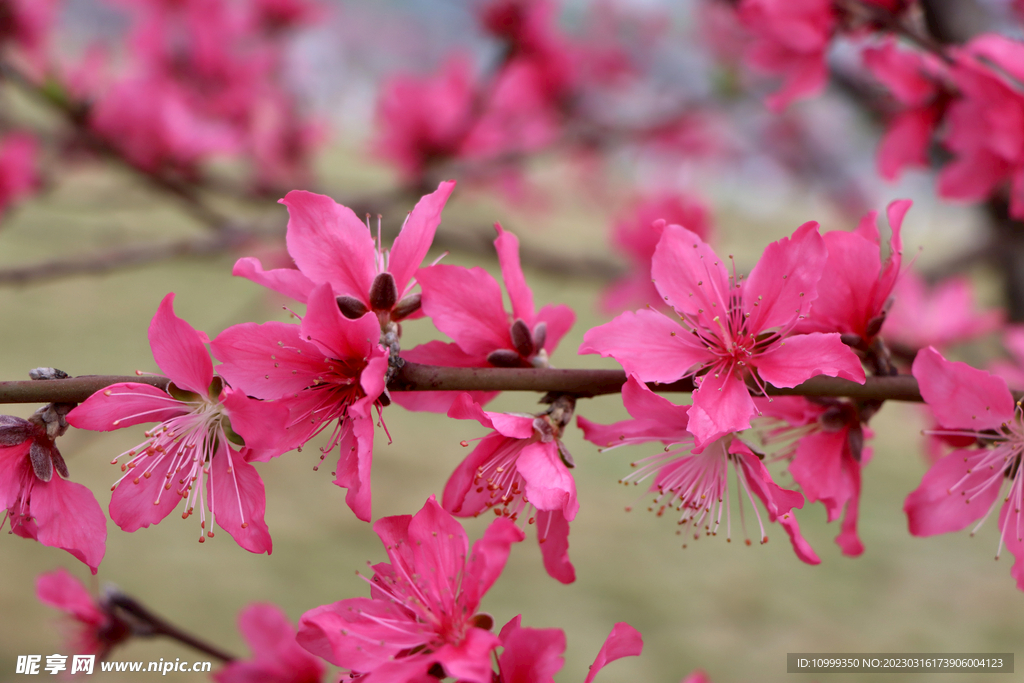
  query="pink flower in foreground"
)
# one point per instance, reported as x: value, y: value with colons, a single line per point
x: 791, y: 38
x: 534, y: 655
x: 18, y: 177
x: 733, y: 329
x: 985, y: 125
x: 696, y: 485
x: 636, y: 235
x: 519, y: 471
x: 329, y: 372
x: 938, y: 316
x: 422, y: 613
x: 39, y: 501
x: 827, y: 454
x: 917, y: 81
x: 331, y: 245
x: 190, y: 455
x: 967, y: 484
x: 466, y: 305
x: 277, y: 656
x: 855, y: 288
x: 96, y: 630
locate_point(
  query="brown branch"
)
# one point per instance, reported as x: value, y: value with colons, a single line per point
x: 146, y: 623
x: 127, y: 257
x: 416, y: 377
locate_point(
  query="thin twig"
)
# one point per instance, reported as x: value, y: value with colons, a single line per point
x: 149, y: 624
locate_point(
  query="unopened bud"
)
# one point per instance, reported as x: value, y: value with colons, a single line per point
x: 875, y: 325
x: 351, y: 307
x: 521, y: 339
x: 482, y: 620
x: 504, y: 358
x: 406, y: 307
x: 855, y: 439
x: 383, y: 292
x: 540, y: 335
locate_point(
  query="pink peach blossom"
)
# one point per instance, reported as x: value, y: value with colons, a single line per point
x: 96, y: 629
x: 733, y: 329
x: 277, y: 656
x: 519, y: 471
x: 190, y: 454
x: 422, y: 611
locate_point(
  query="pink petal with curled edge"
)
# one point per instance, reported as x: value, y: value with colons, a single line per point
x: 237, y: 497
x: 466, y: 305
x: 549, y: 484
x: 559, y: 320
x: 1012, y: 538
x: 784, y: 282
x: 68, y: 517
x: 553, y: 537
x: 61, y: 590
x: 802, y: 356
x: 134, y: 506
x: 937, y: 506
x: 268, y: 361
x: 647, y: 344
x: 261, y: 424
x: 844, y: 302
x: 355, y: 462
x: 287, y: 281
x: 488, y: 558
x: 507, y: 246
x: 721, y: 405
x: 512, y: 426
x: 449, y: 355
x: 962, y: 397
x: 629, y: 431
x: 129, y: 403
x: 623, y: 641
x: 688, y: 274
x: 895, y: 212
x: 644, y: 404
x: 330, y: 244
x: 413, y: 242
x: 179, y: 350
x: 531, y: 655
x: 470, y: 660
x: 335, y: 335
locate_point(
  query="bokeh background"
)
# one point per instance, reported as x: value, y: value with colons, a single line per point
x: 732, y: 610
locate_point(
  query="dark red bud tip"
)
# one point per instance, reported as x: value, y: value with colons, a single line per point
x: 351, y: 307
x: 540, y: 335
x: 504, y: 358
x: 14, y: 430
x: 383, y: 292
x: 875, y: 325
x: 406, y: 307
x: 482, y: 620
x: 521, y: 338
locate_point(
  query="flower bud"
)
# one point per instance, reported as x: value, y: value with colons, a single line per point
x: 14, y: 430
x: 406, y: 307
x: 42, y: 464
x: 540, y: 335
x: 383, y: 292
x: 351, y: 307
x: 521, y: 338
x: 504, y: 358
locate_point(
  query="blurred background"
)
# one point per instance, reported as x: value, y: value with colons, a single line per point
x: 143, y: 147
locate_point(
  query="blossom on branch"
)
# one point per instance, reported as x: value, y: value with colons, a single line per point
x: 328, y: 372
x: 421, y: 617
x: 39, y: 501
x: 966, y: 485
x: 520, y: 471
x: 695, y: 484
x: 733, y: 330
x: 192, y: 453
